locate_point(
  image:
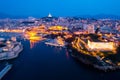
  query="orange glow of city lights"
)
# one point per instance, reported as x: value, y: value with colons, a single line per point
x: 35, y: 39
x: 58, y: 28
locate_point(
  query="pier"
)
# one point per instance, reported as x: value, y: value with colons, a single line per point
x: 5, y: 70
x: 53, y: 44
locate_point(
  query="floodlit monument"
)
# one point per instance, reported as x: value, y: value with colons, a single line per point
x: 101, y: 46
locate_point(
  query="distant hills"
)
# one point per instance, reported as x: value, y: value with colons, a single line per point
x: 3, y: 16
x: 100, y: 16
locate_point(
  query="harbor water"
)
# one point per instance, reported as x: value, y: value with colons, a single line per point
x: 42, y: 62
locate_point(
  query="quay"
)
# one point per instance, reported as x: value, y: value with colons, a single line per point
x: 5, y: 70
x: 53, y: 44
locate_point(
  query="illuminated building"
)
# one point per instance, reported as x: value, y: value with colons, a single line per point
x: 13, y: 38
x: 12, y: 30
x: 90, y: 29
x: 57, y: 28
x: 49, y: 15
x: 60, y: 41
x: 118, y: 28
x: 101, y: 46
x: 33, y: 38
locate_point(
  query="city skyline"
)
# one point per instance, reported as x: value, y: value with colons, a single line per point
x: 59, y: 39
x: 59, y: 8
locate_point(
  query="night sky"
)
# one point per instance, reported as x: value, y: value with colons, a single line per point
x: 59, y: 7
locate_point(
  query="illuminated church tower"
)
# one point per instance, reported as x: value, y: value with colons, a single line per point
x: 49, y: 15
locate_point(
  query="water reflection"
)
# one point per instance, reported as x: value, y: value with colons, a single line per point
x: 33, y: 42
x: 33, y: 38
x: 67, y: 54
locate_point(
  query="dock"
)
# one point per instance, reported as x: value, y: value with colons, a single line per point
x: 5, y: 70
x: 53, y: 44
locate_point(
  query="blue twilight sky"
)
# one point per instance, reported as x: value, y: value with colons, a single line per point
x: 59, y: 7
